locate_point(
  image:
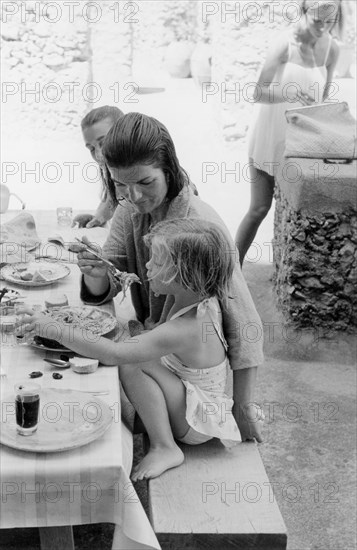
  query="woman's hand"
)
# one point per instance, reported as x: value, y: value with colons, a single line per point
x: 305, y: 99
x: 88, y: 263
x: 250, y: 422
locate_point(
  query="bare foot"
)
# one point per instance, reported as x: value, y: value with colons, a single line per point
x: 157, y: 461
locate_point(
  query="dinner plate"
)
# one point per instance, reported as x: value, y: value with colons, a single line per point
x: 93, y: 319
x: 53, y: 272
x: 68, y: 419
x: 46, y: 348
x: 9, y: 296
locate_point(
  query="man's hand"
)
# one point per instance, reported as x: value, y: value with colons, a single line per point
x: 82, y: 220
x: 88, y: 221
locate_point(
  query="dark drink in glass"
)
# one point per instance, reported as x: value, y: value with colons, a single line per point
x: 27, y: 405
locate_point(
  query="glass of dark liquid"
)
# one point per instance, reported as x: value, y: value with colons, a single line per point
x: 27, y: 405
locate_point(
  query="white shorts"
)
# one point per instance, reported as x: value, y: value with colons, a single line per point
x: 194, y: 438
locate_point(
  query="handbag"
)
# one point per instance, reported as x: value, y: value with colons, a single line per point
x: 323, y: 131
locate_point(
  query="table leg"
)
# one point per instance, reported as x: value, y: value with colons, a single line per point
x: 57, y: 538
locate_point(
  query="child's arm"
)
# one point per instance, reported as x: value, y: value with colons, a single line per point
x: 170, y: 337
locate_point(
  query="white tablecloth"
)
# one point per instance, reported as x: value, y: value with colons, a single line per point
x: 89, y: 484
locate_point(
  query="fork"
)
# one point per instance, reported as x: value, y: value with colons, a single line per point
x: 99, y: 256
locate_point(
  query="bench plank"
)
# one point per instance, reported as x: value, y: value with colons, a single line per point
x: 218, y: 498
x: 57, y: 538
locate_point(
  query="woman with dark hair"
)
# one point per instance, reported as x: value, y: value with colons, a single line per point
x: 297, y: 72
x: 145, y: 178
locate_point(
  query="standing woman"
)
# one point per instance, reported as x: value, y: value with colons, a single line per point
x: 298, y: 71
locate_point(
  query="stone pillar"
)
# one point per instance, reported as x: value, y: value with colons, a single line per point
x: 315, y: 243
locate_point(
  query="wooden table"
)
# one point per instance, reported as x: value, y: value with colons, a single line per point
x: 89, y: 484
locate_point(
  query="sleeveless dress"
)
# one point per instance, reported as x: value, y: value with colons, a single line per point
x: 266, y: 136
x: 208, y: 407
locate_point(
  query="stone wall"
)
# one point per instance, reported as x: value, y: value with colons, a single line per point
x: 112, y: 43
x: 159, y: 24
x: 45, y: 66
x: 241, y: 32
x: 315, y: 247
x: 59, y: 61
x: 51, y: 52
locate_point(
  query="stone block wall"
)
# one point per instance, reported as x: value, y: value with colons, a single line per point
x: 315, y: 248
x: 159, y: 24
x: 45, y: 66
x: 52, y: 51
x: 112, y: 45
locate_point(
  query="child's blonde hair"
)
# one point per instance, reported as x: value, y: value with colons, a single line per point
x: 200, y: 257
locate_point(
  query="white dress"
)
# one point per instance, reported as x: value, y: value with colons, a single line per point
x: 266, y: 135
x: 209, y: 408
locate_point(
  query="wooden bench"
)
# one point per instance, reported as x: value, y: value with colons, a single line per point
x: 217, y: 499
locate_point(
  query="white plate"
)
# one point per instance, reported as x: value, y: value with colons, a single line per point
x: 45, y: 348
x: 9, y: 297
x: 59, y: 271
x: 68, y: 419
x: 102, y: 323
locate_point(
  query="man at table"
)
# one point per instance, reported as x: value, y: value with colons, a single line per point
x: 95, y: 126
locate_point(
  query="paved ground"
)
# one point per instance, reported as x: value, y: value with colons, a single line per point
x: 307, y: 385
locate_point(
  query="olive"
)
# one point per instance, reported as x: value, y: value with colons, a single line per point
x: 57, y: 376
x: 36, y: 374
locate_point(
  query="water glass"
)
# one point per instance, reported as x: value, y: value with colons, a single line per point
x: 8, y: 326
x: 64, y: 216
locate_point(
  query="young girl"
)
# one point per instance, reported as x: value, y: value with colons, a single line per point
x: 298, y: 71
x: 176, y: 374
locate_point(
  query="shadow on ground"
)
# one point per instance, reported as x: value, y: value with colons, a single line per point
x: 307, y: 387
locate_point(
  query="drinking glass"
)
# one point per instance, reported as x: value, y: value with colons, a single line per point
x: 8, y: 326
x: 27, y: 406
x: 64, y: 216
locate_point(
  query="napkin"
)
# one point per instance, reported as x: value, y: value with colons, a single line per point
x: 17, y: 237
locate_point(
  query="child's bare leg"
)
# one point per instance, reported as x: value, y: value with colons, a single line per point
x: 160, y: 400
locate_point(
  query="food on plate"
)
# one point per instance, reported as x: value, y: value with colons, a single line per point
x: 57, y: 376
x: 42, y: 275
x: 34, y: 273
x: 25, y: 276
x: 89, y: 318
x: 58, y: 300
x: 38, y: 276
x: 36, y: 374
